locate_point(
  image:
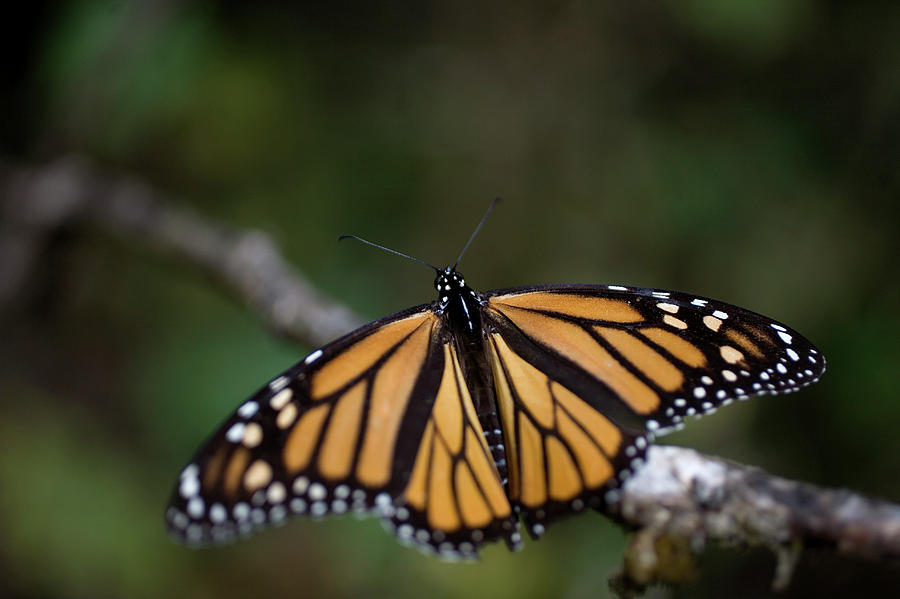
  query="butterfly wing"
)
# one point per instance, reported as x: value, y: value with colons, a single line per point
x: 378, y: 421
x: 583, y: 371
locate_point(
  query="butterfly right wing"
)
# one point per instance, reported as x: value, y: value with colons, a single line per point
x: 583, y: 371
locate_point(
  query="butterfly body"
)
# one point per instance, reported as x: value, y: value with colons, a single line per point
x: 461, y: 309
x: 455, y: 420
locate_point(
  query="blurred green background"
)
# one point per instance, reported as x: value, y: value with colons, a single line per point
x: 744, y: 150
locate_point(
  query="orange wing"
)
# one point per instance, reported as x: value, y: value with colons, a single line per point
x: 379, y: 421
x: 583, y: 371
x: 562, y: 454
x: 455, y: 499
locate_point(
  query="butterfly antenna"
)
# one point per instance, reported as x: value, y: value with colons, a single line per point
x: 381, y: 247
x: 477, y: 229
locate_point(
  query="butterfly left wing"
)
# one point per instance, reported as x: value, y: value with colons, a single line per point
x: 378, y: 421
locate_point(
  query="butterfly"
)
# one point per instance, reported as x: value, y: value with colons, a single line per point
x: 458, y: 421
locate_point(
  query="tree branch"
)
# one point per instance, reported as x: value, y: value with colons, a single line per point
x: 39, y: 201
x: 678, y: 502
x: 682, y: 495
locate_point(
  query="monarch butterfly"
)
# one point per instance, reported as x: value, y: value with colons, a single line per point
x: 453, y: 421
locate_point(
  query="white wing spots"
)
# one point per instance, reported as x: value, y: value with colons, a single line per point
x: 253, y: 435
x: 660, y: 294
x: 785, y: 337
x: 712, y: 323
x: 280, y: 399
x: 286, y: 416
x: 301, y: 484
x: 781, y: 368
x: 706, y: 380
x: 699, y: 302
x: 793, y: 355
x: 313, y: 357
x: 178, y: 519
x: 196, y: 508
x: 699, y: 392
x: 276, y: 493
x: 665, y: 307
x: 778, y: 327
x: 271, y: 502
x: 277, y: 514
x: 652, y: 425
x: 317, y: 492
x: 189, y: 485
x: 680, y: 402
x: 764, y: 376
x: 318, y: 509
x: 241, y: 512
x: 235, y: 432
x: 257, y: 475
x: 279, y: 383
x: 730, y: 355
x: 616, y: 288
x: 217, y: 513
x: 720, y: 314
x: 248, y: 409
x: 729, y: 376
x: 674, y: 322
x: 190, y: 471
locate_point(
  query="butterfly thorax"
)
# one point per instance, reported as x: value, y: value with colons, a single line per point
x: 459, y: 302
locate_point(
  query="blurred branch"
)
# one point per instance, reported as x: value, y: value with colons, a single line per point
x: 39, y: 201
x: 681, y: 500
x: 678, y: 502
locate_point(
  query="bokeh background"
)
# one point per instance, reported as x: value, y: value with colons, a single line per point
x: 746, y: 150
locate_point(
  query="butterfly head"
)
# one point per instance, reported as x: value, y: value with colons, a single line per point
x: 449, y: 281
x: 449, y: 284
